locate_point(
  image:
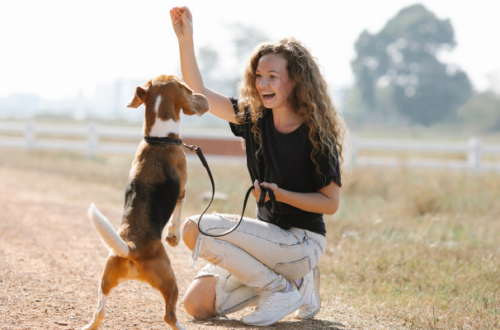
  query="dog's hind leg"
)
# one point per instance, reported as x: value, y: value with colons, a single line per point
x: 115, y: 269
x: 174, y: 225
x: 159, y: 274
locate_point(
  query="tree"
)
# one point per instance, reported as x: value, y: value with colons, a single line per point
x: 482, y: 111
x: 405, y: 56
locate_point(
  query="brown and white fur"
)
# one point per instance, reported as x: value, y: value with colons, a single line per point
x: 154, y: 193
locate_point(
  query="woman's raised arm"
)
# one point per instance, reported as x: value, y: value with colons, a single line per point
x: 182, y: 22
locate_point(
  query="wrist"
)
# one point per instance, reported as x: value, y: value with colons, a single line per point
x: 185, y: 41
x: 278, y: 193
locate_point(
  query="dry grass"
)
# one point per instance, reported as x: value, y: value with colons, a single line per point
x: 417, y: 248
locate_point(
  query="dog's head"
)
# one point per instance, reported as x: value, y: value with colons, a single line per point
x: 164, y: 97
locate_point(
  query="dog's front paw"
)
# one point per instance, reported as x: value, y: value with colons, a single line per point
x: 173, y: 241
x: 173, y: 236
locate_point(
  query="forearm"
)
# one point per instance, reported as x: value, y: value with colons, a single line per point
x: 189, y: 66
x: 182, y: 22
x: 312, y: 202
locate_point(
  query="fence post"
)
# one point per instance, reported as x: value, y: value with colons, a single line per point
x: 474, y: 154
x: 29, y: 135
x: 92, y: 140
x: 354, y: 148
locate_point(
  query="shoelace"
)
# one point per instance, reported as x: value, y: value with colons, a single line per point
x: 264, y: 300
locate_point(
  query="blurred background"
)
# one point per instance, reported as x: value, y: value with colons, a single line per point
x: 416, y: 241
x: 390, y: 63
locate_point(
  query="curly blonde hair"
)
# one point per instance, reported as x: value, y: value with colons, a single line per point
x: 309, y: 98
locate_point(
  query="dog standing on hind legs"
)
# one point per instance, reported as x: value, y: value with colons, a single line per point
x: 154, y: 194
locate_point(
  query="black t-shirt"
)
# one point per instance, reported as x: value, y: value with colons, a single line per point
x: 289, y: 165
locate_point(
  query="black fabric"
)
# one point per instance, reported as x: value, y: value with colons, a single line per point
x: 289, y: 165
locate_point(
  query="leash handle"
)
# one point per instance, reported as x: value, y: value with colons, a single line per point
x: 262, y: 197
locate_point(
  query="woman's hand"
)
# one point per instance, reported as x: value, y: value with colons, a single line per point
x: 182, y: 21
x: 256, y: 192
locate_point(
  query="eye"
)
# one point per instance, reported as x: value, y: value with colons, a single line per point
x: 257, y: 75
x: 273, y: 76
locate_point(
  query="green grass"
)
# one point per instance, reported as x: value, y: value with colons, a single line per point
x: 420, y: 247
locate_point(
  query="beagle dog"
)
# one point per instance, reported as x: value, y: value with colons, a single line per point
x: 154, y: 194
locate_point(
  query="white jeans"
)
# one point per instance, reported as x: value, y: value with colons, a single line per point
x: 256, y: 256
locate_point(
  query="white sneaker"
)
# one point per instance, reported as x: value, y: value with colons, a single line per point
x: 309, y: 291
x: 273, y: 306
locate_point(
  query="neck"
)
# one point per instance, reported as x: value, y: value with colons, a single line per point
x: 162, y: 128
x: 286, y: 120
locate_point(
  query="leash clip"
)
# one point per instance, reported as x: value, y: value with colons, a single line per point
x: 192, y: 148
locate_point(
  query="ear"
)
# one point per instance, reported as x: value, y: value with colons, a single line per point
x: 139, y: 96
x: 197, y: 105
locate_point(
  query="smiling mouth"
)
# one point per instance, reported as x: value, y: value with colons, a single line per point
x: 268, y: 96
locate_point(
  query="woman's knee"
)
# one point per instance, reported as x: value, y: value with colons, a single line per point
x: 199, y: 299
x: 190, y: 233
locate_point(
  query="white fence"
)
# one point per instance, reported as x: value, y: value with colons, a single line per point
x: 80, y: 137
x: 474, y: 150
x: 89, y: 139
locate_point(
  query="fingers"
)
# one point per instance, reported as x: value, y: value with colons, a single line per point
x: 188, y: 13
x: 274, y: 190
x: 254, y: 194
x: 266, y: 185
x: 176, y: 12
x: 256, y: 190
x: 181, y: 12
x: 175, y: 16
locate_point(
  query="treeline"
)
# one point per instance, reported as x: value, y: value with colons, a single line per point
x: 401, y: 79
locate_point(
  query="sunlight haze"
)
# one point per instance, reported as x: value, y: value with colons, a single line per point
x: 57, y: 48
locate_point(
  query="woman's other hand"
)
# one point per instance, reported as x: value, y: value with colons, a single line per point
x: 182, y: 21
x: 257, y: 191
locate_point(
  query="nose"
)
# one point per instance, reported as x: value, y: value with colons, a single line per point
x: 263, y: 82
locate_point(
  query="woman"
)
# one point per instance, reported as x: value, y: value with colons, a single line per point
x: 292, y: 134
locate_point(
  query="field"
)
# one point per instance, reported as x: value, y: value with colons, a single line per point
x: 408, y: 249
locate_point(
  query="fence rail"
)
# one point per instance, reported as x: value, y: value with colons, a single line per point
x: 92, y: 139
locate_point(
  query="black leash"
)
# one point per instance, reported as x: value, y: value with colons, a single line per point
x: 193, y: 148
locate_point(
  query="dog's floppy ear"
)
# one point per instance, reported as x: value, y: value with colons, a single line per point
x: 139, y: 96
x: 196, y: 104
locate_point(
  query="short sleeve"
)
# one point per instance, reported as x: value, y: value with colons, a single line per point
x: 329, y: 169
x: 237, y: 129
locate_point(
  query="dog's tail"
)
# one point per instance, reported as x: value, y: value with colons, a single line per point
x: 108, y: 234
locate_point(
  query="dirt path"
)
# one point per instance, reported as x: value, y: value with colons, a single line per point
x: 51, y: 260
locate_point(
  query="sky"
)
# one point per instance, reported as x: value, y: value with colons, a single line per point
x: 57, y: 48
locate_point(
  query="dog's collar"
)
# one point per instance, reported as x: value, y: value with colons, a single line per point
x: 163, y: 140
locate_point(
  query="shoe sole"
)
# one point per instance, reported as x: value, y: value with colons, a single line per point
x: 290, y: 310
x: 316, y: 292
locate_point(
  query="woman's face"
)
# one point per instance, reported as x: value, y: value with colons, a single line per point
x: 272, y: 81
